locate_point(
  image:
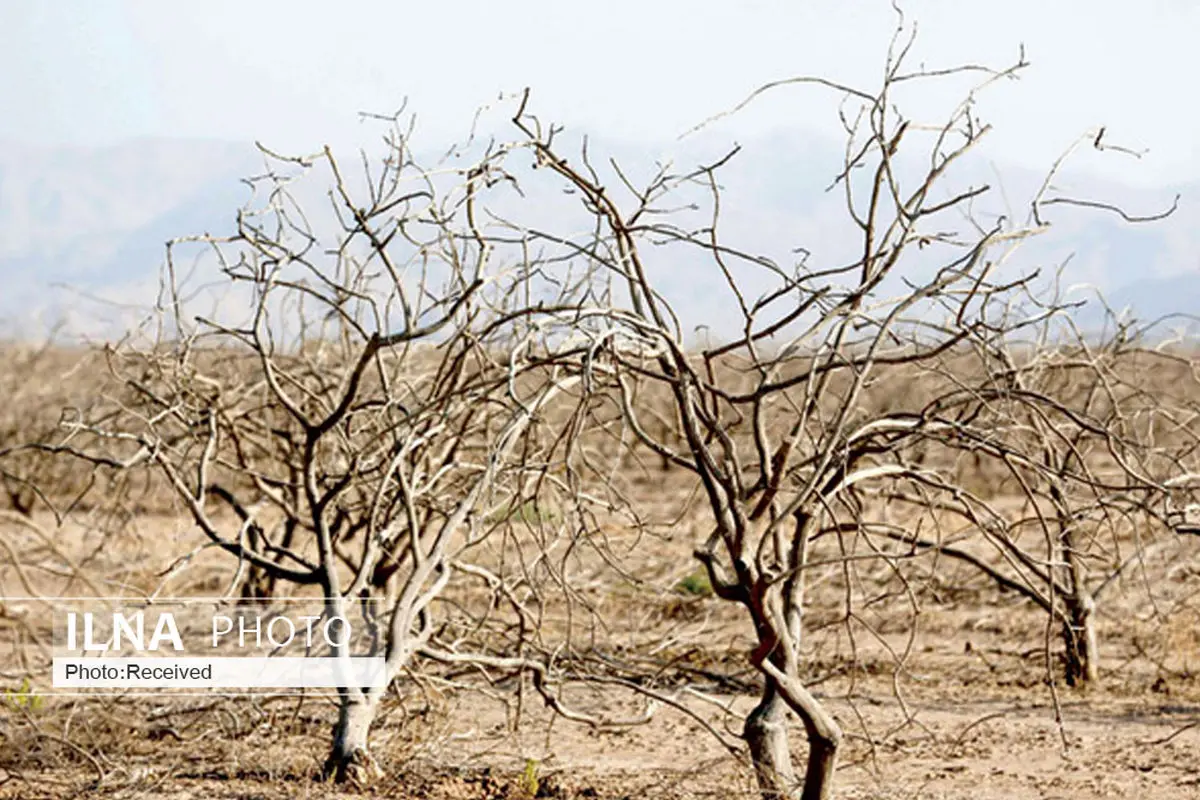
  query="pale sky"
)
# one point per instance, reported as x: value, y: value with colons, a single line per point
x: 294, y: 73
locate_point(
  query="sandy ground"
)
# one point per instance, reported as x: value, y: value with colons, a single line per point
x: 956, y: 741
x: 969, y: 715
x: 983, y: 750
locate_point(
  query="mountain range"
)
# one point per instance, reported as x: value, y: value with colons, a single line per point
x: 82, y: 230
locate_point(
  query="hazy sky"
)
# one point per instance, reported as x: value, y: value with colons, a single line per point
x: 293, y: 73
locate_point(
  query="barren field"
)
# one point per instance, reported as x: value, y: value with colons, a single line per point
x: 1119, y: 744
x: 968, y: 714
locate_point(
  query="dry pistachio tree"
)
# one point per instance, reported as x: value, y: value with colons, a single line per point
x: 363, y: 405
x: 1081, y: 450
x: 827, y: 432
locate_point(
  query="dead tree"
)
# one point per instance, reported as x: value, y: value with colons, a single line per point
x: 362, y: 404
x: 850, y: 393
x: 1089, y: 434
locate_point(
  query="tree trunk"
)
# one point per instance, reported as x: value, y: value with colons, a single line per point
x: 257, y: 583
x: 1079, y: 632
x: 350, y: 761
x: 767, y: 736
x: 822, y: 761
x: 765, y: 732
x: 1079, y: 636
x: 824, y: 734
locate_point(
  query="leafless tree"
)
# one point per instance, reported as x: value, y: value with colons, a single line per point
x: 366, y: 409
x: 1108, y: 439
x: 846, y: 421
x: 38, y: 381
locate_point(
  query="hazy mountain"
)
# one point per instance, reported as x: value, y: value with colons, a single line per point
x: 95, y: 220
x: 1174, y: 299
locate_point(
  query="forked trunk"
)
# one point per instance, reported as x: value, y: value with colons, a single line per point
x: 765, y: 732
x: 822, y: 761
x: 350, y: 760
x: 824, y: 738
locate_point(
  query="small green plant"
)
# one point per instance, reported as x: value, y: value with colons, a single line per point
x: 25, y: 698
x: 529, y: 783
x: 696, y: 584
